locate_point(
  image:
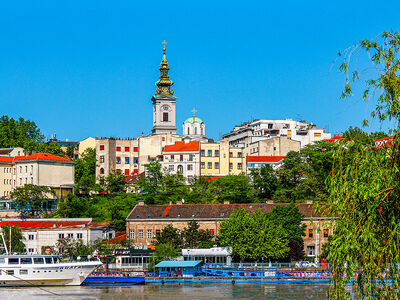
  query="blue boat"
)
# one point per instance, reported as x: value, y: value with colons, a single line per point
x: 107, y: 279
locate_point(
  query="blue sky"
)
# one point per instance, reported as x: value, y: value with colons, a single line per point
x: 88, y: 68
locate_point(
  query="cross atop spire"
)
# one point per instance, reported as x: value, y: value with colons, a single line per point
x: 164, y: 83
x: 194, y: 111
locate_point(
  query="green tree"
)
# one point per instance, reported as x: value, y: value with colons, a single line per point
x: 114, y: 183
x: 165, y: 251
x: 172, y: 188
x: 85, y: 171
x: 195, y: 238
x: 151, y: 183
x: 29, y: 199
x: 232, y: 188
x: 171, y: 235
x: 290, y: 218
x: 17, y: 240
x: 265, y: 181
x: 253, y: 236
x: 71, y: 249
x: 365, y: 193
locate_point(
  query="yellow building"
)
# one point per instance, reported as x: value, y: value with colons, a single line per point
x: 218, y: 159
x: 6, y: 176
x: 85, y: 144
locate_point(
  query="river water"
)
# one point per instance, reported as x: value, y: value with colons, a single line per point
x: 186, y: 292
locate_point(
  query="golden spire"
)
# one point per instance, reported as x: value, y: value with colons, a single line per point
x: 164, y: 83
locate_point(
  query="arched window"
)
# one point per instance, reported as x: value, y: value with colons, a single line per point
x: 180, y: 168
x: 101, y: 171
x: 188, y: 130
x: 195, y: 130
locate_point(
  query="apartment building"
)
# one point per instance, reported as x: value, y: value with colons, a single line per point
x: 182, y: 157
x: 6, y: 176
x: 257, y: 162
x: 305, y: 133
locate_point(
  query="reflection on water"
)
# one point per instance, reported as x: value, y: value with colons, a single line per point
x: 185, y: 292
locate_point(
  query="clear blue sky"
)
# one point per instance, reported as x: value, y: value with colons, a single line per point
x: 88, y: 68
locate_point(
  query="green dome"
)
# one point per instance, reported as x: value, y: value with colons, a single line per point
x: 193, y: 120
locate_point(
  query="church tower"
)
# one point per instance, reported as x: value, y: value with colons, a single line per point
x: 164, y: 102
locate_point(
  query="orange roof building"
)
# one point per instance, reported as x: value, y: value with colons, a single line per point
x: 257, y: 162
x: 182, y: 157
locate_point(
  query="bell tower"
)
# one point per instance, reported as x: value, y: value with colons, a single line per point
x: 164, y: 101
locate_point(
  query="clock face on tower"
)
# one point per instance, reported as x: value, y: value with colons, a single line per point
x: 165, y: 107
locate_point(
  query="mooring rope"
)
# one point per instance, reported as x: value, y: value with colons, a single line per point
x: 31, y: 283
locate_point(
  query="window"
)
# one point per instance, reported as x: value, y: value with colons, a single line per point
x: 216, y: 153
x: 203, y: 165
x: 165, y: 117
x: 31, y: 180
x: 48, y: 260
x: 269, y: 126
x: 212, y: 232
x: 118, y: 159
x: 31, y: 237
x: 172, y: 156
x: 70, y: 235
x: 326, y: 233
x: 135, y: 160
x: 209, y: 165
x: 239, y: 166
x: 180, y: 168
x: 60, y: 236
x: 209, y: 153
x: 118, y: 148
x: 230, y: 166
x: 101, y: 171
x: 10, y: 272
x: 217, y: 165
x: 79, y: 235
x: 230, y: 154
x: 126, y: 160
x: 158, y: 232
x: 13, y: 261
x: 140, y: 234
x: 118, y: 171
x: 317, y: 134
x: 26, y: 169
x: 202, y: 153
x: 126, y: 171
x: 126, y: 149
x: 135, y: 149
x: 31, y: 250
x: 239, y: 154
x: 310, y: 250
x: 310, y: 232
x: 101, y: 158
x: 101, y: 147
x: 191, y: 157
x: 181, y: 157
x: 38, y: 260
x: 149, y: 234
x: 26, y: 260
x: 132, y: 234
x: 190, y: 167
x: 171, y: 168
x: 23, y: 272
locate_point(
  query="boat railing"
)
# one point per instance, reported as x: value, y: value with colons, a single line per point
x: 265, y: 266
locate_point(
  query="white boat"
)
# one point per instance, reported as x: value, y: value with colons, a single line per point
x: 42, y: 270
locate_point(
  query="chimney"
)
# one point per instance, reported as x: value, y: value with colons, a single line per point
x: 270, y: 202
x: 141, y: 202
x: 227, y: 202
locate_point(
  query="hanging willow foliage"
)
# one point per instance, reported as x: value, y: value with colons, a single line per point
x: 365, y: 184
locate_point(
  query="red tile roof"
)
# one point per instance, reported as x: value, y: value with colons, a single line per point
x: 267, y: 159
x: 334, y: 139
x: 44, y: 224
x: 6, y: 159
x: 182, y: 146
x: 42, y: 156
x: 384, y: 142
x: 116, y: 240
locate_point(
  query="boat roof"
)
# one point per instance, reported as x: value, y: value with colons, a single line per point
x: 178, y: 263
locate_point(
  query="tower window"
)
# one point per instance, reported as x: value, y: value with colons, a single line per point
x: 165, y: 117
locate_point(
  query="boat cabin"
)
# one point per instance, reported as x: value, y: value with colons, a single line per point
x: 185, y: 268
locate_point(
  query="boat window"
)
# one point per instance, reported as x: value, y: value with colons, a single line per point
x: 26, y: 260
x: 38, y: 260
x: 49, y: 260
x: 13, y: 261
x: 2, y: 260
x: 23, y: 272
x: 55, y: 258
x: 10, y: 272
